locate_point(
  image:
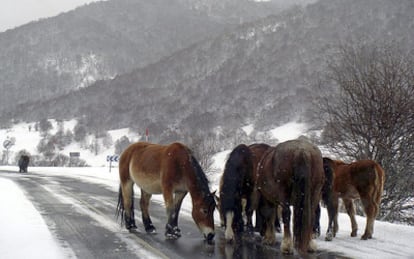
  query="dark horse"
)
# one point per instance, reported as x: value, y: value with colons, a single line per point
x: 171, y: 171
x: 236, y: 184
x: 23, y: 163
x: 291, y: 174
x: 363, y: 179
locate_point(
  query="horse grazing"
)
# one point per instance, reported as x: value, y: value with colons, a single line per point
x: 363, y: 179
x: 171, y: 171
x: 236, y: 184
x: 291, y: 174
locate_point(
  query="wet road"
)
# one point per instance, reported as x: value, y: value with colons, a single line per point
x: 82, y: 217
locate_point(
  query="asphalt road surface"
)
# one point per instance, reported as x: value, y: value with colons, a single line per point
x: 81, y: 215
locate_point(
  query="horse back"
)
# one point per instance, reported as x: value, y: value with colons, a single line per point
x: 358, y: 178
x: 257, y: 152
x: 284, y: 162
x: 149, y: 164
x: 366, y: 175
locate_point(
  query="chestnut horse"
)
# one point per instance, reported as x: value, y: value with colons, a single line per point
x: 291, y: 174
x: 171, y: 171
x: 363, y: 179
x: 236, y: 184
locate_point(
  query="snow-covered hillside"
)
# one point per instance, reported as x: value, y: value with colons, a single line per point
x: 26, y: 137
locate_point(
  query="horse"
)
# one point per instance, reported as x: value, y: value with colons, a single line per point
x: 23, y: 163
x: 257, y: 151
x: 291, y: 174
x: 172, y: 171
x: 362, y: 179
x: 236, y: 185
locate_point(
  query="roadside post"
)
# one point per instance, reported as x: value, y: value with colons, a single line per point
x: 7, y: 144
x: 72, y: 157
x: 110, y: 159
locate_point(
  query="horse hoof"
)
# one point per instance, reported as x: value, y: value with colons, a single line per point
x: 366, y: 236
x: 269, y: 242
x: 328, y: 238
x: 171, y: 236
x: 131, y: 227
x: 312, y: 247
x: 133, y: 230
x: 151, y: 229
x: 287, y: 251
x: 172, y: 232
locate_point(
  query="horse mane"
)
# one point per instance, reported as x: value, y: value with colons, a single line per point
x: 258, y: 145
x: 232, y: 164
x: 201, y: 178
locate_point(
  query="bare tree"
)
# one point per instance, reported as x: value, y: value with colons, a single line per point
x: 204, y: 147
x: 368, y: 108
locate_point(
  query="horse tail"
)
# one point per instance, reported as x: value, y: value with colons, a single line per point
x: 379, y: 184
x: 302, y: 202
x: 120, y: 207
x: 327, y: 189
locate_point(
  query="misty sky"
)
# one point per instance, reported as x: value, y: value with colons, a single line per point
x: 14, y: 13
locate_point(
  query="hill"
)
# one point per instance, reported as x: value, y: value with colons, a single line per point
x: 54, y: 56
x: 260, y: 73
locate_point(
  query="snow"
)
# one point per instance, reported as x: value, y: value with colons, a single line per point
x: 21, y: 224
x: 19, y: 215
x: 288, y: 131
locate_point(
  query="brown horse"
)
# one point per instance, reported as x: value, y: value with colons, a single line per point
x: 363, y: 179
x: 171, y: 171
x: 291, y: 174
x: 257, y: 151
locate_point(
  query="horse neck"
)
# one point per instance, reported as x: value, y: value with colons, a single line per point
x: 196, y: 184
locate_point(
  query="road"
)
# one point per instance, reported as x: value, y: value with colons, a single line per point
x: 82, y: 216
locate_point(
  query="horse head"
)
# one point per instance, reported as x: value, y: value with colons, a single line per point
x: 203, y: 215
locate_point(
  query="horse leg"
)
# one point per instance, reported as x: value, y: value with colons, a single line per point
x: 146, y: 219
x: 287, y: 244
x: 268, y: 212
x: 332, y: 207
x: 128, y: 204
x: 228, y: 225
x: 316, y: 224
x: 259, y: 225
x: 277, y: 219
x: 173, y: 208
x: 249, y: 214
x: 350, y: 209
x: 370, y: 212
